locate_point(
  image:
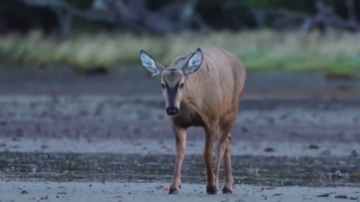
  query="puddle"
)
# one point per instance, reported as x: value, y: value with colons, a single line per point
x: 250, y: 170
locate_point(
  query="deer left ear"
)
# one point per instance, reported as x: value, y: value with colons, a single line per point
x: 194, y: 62
x: 150, y: 64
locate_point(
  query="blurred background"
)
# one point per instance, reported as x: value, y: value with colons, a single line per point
x: 71, y: 82
x: 317, y: 35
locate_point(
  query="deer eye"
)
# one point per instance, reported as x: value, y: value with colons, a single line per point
x: 181, y: 85
x: 163, y: 86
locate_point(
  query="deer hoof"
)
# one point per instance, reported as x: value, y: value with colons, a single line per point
x: 173, y: 191
x: 226, y: 190
x: 211, y: 190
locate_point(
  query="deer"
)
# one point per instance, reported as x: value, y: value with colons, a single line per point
x: 202, y: 89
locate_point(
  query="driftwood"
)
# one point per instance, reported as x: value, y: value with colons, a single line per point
x: 350, y: 4
x: 177, y: 17
x: 64, y: 19
x: 327, y: 18
x: 64, y: 14
x: 127, y: 15
x: 285, y: 19
x: 134, y: 16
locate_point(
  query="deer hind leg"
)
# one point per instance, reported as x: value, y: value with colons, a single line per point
x: 210, y: 137
x: 227, y: 125
x: 219, y: 154
x: 229, y: 180
x: 180, y: 139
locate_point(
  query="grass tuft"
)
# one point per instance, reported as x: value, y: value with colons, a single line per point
x: 259, y: 50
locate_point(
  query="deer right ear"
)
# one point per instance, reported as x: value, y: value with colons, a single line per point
x: 149, y: 63
x: 194, y: 62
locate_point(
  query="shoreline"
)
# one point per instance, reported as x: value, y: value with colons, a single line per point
x: 146, y: 146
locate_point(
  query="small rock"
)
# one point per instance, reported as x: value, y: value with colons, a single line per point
x: 24, y: 192
x: 326, y: 153
x: 271, y: 120
x: 44, y: 147
x: 159, y: 187
x: 284, y: 116
x: 23, y: 170
x: 269, y: 149
x: 244, y: 129
x: 341, y: 196
x: 323, y: 195
x: 15, y: 146
x: 313, y: 146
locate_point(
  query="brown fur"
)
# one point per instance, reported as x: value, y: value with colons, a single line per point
x: 213, y: 92
x: 210, y: 99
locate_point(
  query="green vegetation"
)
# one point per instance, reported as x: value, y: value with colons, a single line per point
x: 259, y: 50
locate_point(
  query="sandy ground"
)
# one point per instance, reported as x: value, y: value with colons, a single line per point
x: 293, y: 115
x: 129, y: 124
x: 115, y: 192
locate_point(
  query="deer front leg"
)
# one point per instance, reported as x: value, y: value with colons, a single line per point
x: 180, y: 140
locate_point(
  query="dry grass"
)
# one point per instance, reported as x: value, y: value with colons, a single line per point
x: 336, y: 52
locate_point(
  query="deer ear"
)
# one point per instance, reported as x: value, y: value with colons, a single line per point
x: 150, y: 64
x: 194, y: 62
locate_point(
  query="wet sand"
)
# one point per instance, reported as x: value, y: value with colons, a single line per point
x: 76, y: 191
x: 145, y: 146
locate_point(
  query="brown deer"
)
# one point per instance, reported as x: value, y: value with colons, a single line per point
x: 204, y: 89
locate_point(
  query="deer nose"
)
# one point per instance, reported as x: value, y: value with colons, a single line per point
x: 171, y: 111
